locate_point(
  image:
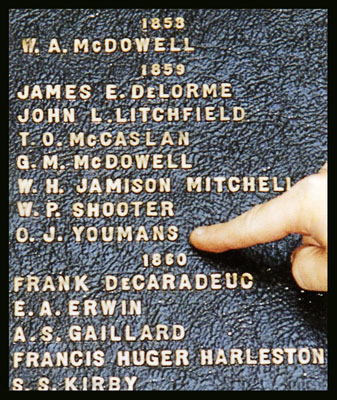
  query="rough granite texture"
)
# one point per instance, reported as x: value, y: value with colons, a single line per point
x: 276, y: 61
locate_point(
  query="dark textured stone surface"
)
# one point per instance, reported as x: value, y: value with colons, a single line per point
x: 276, y: 61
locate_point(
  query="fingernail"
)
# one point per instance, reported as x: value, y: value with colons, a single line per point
x: 196, y: 236
x: 199, y: 231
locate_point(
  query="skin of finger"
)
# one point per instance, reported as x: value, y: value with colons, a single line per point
x: 314, y: 211
x: 303, y: 210
x: 309, y: 268
x: 263, y: 223
x: 324, y: 169
x: 309, y: 240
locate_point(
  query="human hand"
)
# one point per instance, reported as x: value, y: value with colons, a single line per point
x: 302, y: 209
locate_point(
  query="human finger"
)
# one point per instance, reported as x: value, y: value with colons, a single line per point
x: 309, y: 268
x: 263, y: 223
x: 324, y: 169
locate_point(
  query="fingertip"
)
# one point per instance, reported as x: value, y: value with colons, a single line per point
x: 296, y: 270
x: 210, y: 238
x: 196, y: 237
x: 309, y: 268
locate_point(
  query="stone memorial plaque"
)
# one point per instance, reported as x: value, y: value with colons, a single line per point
x: 129, y: 128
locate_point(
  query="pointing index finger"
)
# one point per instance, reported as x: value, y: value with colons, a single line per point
x: 263, y: 223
